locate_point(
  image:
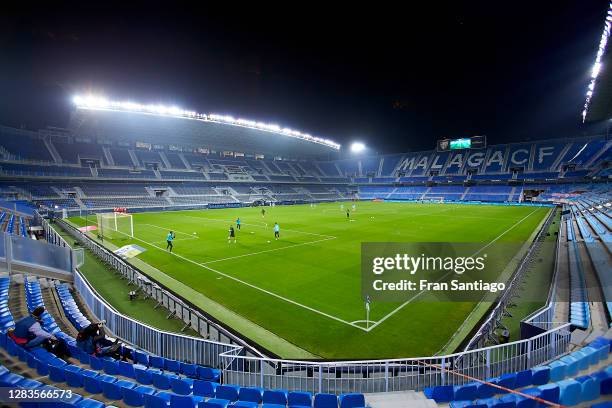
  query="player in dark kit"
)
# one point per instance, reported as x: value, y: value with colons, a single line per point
x: 232, y: 235
x: 263, y: 212
x: 348, y: 214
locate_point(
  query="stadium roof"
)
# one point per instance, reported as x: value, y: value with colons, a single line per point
x: 98, y: 117
x: 598, y: 103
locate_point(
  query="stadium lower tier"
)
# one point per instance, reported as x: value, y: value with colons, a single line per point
x: 82, y: 195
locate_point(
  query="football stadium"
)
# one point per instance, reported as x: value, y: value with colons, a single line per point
x: 156, y: 256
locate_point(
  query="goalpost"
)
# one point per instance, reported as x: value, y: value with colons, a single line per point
x: 115, y: 225
x: 434, y: 199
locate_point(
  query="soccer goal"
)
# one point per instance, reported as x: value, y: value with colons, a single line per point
x: 115, y: 225
x: 435, y: 199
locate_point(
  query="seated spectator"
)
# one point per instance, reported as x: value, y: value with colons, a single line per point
x: 29, y: 333
x: 92, y: 340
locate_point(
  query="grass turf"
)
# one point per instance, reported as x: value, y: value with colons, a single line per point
x: 305, y: 287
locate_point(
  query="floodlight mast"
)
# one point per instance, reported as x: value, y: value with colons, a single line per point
x: 92, y: 102
x: 596, y: 70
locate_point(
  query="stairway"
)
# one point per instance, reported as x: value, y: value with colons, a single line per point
x: 54, y: 153
x: 108, y: 156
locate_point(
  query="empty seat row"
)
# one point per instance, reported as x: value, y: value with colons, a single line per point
x: 566, y: 366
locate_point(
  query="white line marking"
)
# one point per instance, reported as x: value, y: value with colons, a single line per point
x: 268, y: 250
x: 397, y: 309
x: 202, y: 265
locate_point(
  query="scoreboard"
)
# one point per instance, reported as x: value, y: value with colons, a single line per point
x: 474, y: 142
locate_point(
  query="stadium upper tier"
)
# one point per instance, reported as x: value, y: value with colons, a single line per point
x: 53, y: 154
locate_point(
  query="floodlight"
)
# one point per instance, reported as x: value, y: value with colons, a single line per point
x: 100, y: 103
x: 357, y: 147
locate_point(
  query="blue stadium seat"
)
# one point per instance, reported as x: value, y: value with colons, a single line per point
x: 557, y: 370
x: 540, y: 375
x: 172, y: 365
x: 214, y: 403
x: 245, y: 404
x: 523, y: 378
x: 157, y: 362
x: 127, y: 369
x: 278, y: 397
x: 134, y: 397
x: 185, y: 401
x: 209, y: 374
x: 299, y: 399
x: 352, y: 400
x: 162, y: 380
x: 111, y: 367
x: 571, y: 365
x: 204, y: 388
x: 189, y: 370
x: 159, y: 400
x: 141, y: 358
x: 440, y: 393
x: 89, y: 403
x: 114, y: 390
x: 549, y: 392
x: 570, y: 392
x: 227, y: 392
x: 144, y: 375
x: 466, y: 392
x: 466, y: 404
x: 324, y: 400
x: 590, y: 387
x: 93, y: 385
x: 182, y: 386
x: 250, y: 394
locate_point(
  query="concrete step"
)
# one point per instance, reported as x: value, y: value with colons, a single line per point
x: 401, y: 399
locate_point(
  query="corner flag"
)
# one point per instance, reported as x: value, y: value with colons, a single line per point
x: 367, y: 306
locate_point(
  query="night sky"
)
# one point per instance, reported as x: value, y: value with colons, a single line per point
x: 397, y: 78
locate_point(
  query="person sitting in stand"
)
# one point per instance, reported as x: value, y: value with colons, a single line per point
x: 92, y: 340
x: 29, y: 333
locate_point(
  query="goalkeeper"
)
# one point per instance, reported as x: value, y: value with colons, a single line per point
x: 169, y: 240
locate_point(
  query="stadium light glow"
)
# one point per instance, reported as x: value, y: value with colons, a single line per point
x: 93, y: 102
x: 357, y: 147
x: 597, y: 66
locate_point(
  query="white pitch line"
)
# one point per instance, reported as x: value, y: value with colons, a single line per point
x: 268, y: 250
x: 252, y: 286
x: 421, y: 292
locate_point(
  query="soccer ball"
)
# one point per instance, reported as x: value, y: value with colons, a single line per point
x: 268, y: 242
x: 194, y: 233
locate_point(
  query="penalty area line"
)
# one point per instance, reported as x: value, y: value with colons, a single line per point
x: 276, y: 295
x: 397, y: 309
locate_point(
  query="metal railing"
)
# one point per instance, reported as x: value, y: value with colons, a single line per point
x: 487, y: 329
x: 397, y: 374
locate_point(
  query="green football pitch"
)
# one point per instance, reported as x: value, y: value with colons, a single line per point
x: 300, y: 296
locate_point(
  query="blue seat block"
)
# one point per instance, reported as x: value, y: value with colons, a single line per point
x: 570, y: 392
x: 111, y: 367
x: 157, y: 362
x: 96, y: 363
x: 549, y: 392
x: 590, y: 387
x: 29, y: 383
x: 209, y: 374
x: 89, y: 403
x: 506, y: 381
x: 162, y: 380
x: 245, y: 404
x: 466, y: 392
x: 251, y: 394
x: 486, y: 391
x: 466, y: 404
x: 182, y: 386
x: 185, y: 401
x: 571, y: 365
x: 144, y: 375
x: 227, y: 392
x: 172, y: 365
x: 159, y: 400
x: 128, y: 369
x: 114, y: 390
x: 324, y: 400
x: 278, y: 397
x: 523, y: 379
x: 299, y: 398
x: 9, y: 379
x: 439, y: 393
x: 141, y: 358
x: 519, y: 401
x: 352, y: 400
x: 268, y: 405
x: 204, y: 388
x: 93, y: 385
x: 540, y: 375
x: 557, y: 370
x: 605, y: 404
x: 189, y: 370
x: 214, y: 403
x: 134, y: 397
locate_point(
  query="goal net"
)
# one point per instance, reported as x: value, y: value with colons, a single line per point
x: 434, y: 199
x: 115, y: 225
